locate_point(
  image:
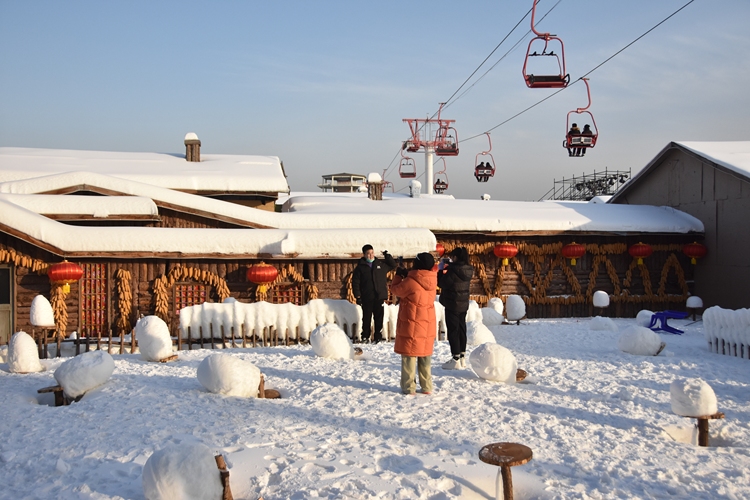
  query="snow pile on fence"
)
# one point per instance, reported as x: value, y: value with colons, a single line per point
x: 230, y: 376
x: 494, y: 363
x: 727, y: 331
x: 41, y: 312
x: 640, y: 341
x: 23, y: 356
x: 184, y: 471
x: 79, y: 375
x: 692, y: 397
x: 330, y: 341
x: 288, y: 320
x: 153, y: 337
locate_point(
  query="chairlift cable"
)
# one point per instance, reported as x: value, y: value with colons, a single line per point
x: 585, y: 75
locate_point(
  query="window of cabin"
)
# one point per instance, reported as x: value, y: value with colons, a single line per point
x: 94, y: 318
x: 283, y: 293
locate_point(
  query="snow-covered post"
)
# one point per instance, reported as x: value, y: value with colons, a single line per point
x: 192, y: 147
x: 601, y: 300
x: 694, y: 398
x: 374, y: 186
x: 694, y: 303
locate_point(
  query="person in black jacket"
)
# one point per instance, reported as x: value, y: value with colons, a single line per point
x: 370, y: 288
x: 454, y: 280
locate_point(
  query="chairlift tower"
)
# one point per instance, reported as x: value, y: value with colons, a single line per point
x: 434, y: 136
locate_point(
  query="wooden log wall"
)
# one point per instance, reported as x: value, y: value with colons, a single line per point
x: 543, y: 280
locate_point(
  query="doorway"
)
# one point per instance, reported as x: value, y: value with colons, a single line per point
x: 6, y: 306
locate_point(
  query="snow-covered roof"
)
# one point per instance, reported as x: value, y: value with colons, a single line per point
x: 94, y: 206
x: 214, y: 173
x: 455, y: 215
x: 66, y: 240
x: 437, y: 213
x: 733, y: 155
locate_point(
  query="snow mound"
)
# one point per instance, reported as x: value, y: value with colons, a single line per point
x: 374, y: 177
x: 23, y: 356
x: 477, y: 333
x: 496, y: 304
x: 84, y: 372
x: 515, y: 308
x: 330, y: 341
x: 601, y: 299
x: 643, y: 318
x: 41, y: 312
x: 186, y: 471
x: 692, y: 397
x: 474, y: 313
x: 640, y: 341
x: 3, y: 353
x: 494, y: 362
x: 694, y: 302
x: 493, y: 314
x: 230, y: 376
x: 602, y: 324
x: 154, y: 339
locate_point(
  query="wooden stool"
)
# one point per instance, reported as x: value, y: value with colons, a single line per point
x: 520, y: 375
x: 60, y: 399
x: 505, y: 455
x: 703, y: 426
x: 224, y: 476
x: 264, y: 393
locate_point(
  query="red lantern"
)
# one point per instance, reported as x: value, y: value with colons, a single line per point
x: 573, y: 251
x: 64, y: 273
x: 440, y: 249
x: 695, y: 251
x: 505, y: 251
x: 262, y: 275
x: 640, y: 251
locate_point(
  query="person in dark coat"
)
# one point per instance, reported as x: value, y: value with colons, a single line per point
x: 370, y: 288
x: 588, y: 132
x: 573, y: 132
x: 454, y: 279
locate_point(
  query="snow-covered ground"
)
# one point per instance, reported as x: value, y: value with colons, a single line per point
x: 598, y: 420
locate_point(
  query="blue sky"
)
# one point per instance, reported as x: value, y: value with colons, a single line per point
x: 324, y: 85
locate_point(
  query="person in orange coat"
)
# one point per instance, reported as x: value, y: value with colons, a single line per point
x: 416, y: 324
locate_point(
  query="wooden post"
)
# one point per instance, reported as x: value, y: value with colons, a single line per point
x: 223, y: 337
x: 262, y: 387
x: 703, y: 432
x: 179, y: 339
x: 231, y: 330
x: 133, y: 342
x: 224, y: 474
x: 211, y: 331
x: 200, y: 331
x: 244, y: 335
x: 190, y: 339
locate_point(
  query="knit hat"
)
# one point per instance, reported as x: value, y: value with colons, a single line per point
x: 424, y: 261
x: 460, y: 254
x: 366, y: 248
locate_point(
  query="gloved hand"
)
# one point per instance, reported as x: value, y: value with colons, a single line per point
x: 403, y: 272
x: 359, y: 301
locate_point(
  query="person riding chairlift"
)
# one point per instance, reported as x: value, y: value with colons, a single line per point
x: 574, y: 131
x: 586, y: 131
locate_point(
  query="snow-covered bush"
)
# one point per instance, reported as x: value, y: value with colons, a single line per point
x: 640, y: 341
x: 84, y: 372
x: 477, y: 333
x: 730, y: 326
x: 602, y: 324
x: 228, y: 375
x: 692, y: 397
x: 154, y: 340
x: 601, y: 299
x: 515, y: 308
x: 185, y: 471
x: 494, y: 362
x: 41, y: 312
x: 330, y: 341
x: 643, y: 318
x: 23, y: 356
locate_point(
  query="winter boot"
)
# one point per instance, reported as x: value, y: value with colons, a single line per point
x: 452, y: 364
x: 462, y: 360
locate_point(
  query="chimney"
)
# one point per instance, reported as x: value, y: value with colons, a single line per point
x: 192, y: 147
x: 374, y: 186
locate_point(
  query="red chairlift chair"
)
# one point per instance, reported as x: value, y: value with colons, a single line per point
x: 576, y: 144
x: 406, y: 169
x: 485, y: 169
x: 446, y: 137
x: 441, y: 185
x: 547, y: 81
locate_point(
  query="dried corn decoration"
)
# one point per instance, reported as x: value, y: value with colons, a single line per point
x: 164, y: 284
x: 289, y: 273
x: 124, y: 299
